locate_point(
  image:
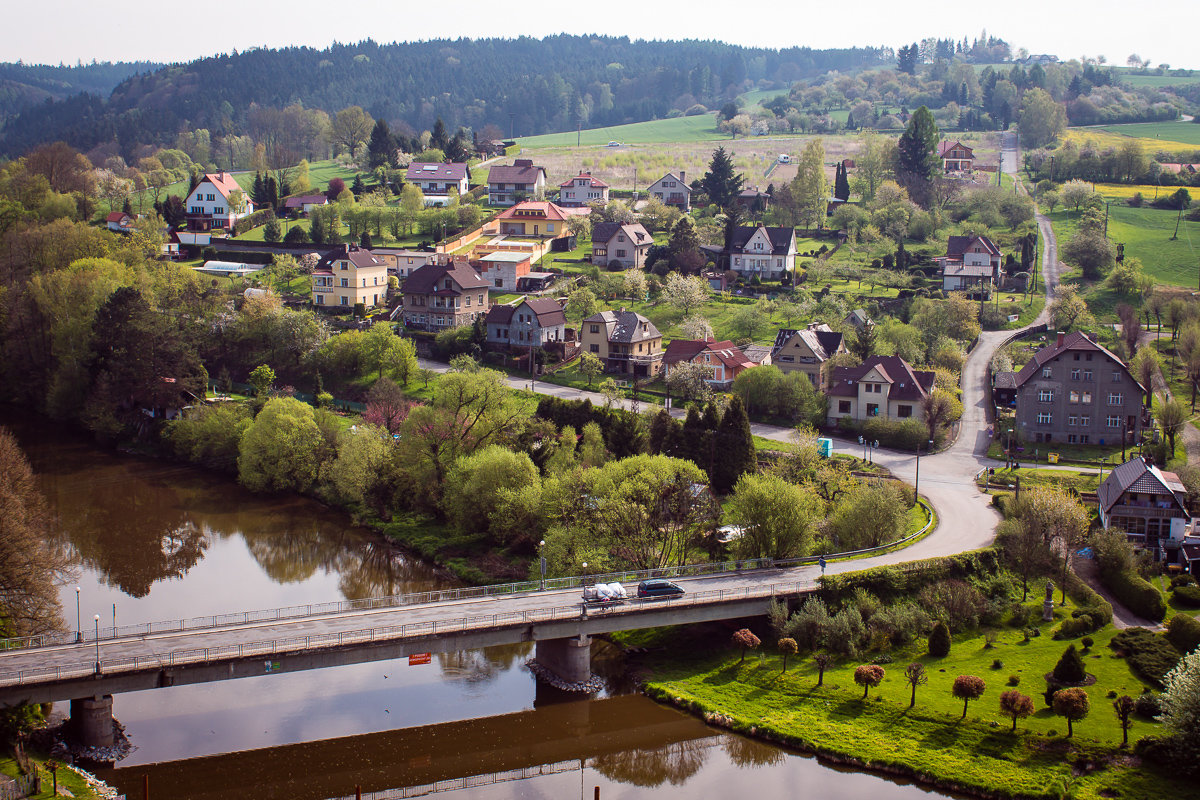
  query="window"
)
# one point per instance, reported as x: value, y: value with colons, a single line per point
x: 212, y: 197
x: 345, y: 300
x: 593, y: 329
x: 219, y: 210
x: 364, y: 282
x: 1115, y: 398
x: 1074, y: 396
x: 1072, y: 421
x: 1047, y: 372
x: 904, y: 411
x: 468, y: 301
x: 1116, y: 376
x: 1085, y: 420
x: 481, y: 298
x: 1045, y: 395
x: 1087, y: 374
x: 342, y: 265
x: 872, y: 409
x: 1084, y: 438
x: 320, y: 300
x: 1077, y: 356
x: 1072, y: 438
x: 1087, y: 397
x: 1113, y: 421
x: 1044, y: 418
x: 345, y: 283
x: 595, y: 348
x: 1075, y: 374
x: 843, y: 406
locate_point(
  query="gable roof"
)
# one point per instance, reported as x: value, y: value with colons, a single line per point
x: 781, y: 238
x: 625, y: 327
x: 906, y: 383
x: 1076, y: 341
x: 500, y: 314
x: 822, y: 341
x: 957, y: 245
x: 945, y: 146
x: 302, y: 200
x: 547, y: 311
x: 858, y: 317
x: 603, y: 232
x: 426, y: 170
x: 677, y: 179
x: 1004, y: 380
x: 954, y: 269
x: 1136, y: 475
x: 521, y: 171
x: 726, y: 352
x: 592, y: 180
x: 534, y: 209
x: 356, y: 255
x: 224, y: 183
x: 428, y: 279
x: 117, y: 216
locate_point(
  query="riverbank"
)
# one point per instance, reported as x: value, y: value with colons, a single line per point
x: 929, y: 743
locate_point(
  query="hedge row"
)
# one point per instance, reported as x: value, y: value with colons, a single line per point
x: 253, y: 221
x: 1188, y: 596
x: 895, y: 581
x: 1183, y: 631
x: 1137, y: 594
x: 1092, y: 614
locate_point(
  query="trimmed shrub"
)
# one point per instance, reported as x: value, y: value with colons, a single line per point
x: 1185, y: 579
x: 1149, y: 654
x: 939, y: 641
x: 1069, y: 668
x: 1183, y: 631
x: 1137, y: 594
x: 1147, y: 705
x: 1187, y: 596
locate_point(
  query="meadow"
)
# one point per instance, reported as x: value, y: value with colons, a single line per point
x: 1149, y: 136
x: 1176, y: 131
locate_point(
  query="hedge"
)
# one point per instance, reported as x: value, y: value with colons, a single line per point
x: 253, y: 221
x: 1187, y: 596
x: 1148, y: 653
x: 1183, y: 631
x: 1136, y: 594
x: 896, y: 581
x: 1092, y: 614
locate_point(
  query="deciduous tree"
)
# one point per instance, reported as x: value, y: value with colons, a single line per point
x: 1124, y: 707
x: 746, y: 640
x: 283, y: 448
x: 916, y: 675
x: 787, y: 647
x: 967, y: 688
x: 777, y: 518
x: 1073, y: 704
x: 1015, y: 705
x: 868, y: 676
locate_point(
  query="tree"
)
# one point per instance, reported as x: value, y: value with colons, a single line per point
x: 351, y: 127
x: 939, y: 641
x: 788, y: 647
x: 1171, y: 416
x: 748, y: 320
x: 30, y: 565
x: 474, y: 484
x: 383, y: 349
x: 1181, y: 705
x: 283, y: 448
x: 1129, y: 277
x: 778, y: 518
x: 685, y: 293
x: 387, y: 405
x: 841, y: 183
x: 967, y: 688
x: 864, y: 342
x: 1042, y: 119
x: 1069, y: 311
x: 1146, y: 366
x: 689, y: 380
x: 810, y: 186
x: 262, y: 378
x: 684, y: 247
x: 720, y: 183
x: 941, y: 409
x: 872, y: 165
x: 746, y: 640
x: 590, y: 365
x: 917, y: 162
x: 1091, y: 251
x: 1015, y: 705
x: 696, y: 327
x: 581, y: 304
x: 822, y: 660
x: 1055, y: 516
x: 1073, y: 704
x: 271, y: 231
x: 868, y: 676
x: 1075, y: 193
x: 869, y: 515
x: 1124, y: 707
x: 916, y: 676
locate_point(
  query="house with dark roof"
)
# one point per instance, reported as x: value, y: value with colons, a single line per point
x: 304, y: 203
x: 767, y: 253
x: 1077, y: 392
x: 754, y: 200
x: 1004, y: 389
x: 858, y: 318
x: 218, y: 201
x: 807, y: 350
x: 439, y: 296
x: 955, y: 156
x: 437, y: 180
x: 672, y: 190
x: 1149, y: 504
x: 347, y: 276
x: 508, y: 185
x: 401, y: 262
x: 625, y: 341
x: 534, y: 321
x: 882, y: 386
x: 534, y: 218
x: 725, y: 359
x: 620, y: 246
x: 970, y: 263
x: 581, y: 190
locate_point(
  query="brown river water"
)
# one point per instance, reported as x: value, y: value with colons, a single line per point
x: 155, y: 540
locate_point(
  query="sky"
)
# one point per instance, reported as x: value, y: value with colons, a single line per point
x: 66, y: 31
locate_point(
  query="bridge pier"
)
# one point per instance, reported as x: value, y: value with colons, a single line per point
x: 91, y: 723
x: 565, y: 663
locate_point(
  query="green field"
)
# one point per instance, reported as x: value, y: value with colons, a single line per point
x: 1178, y: 131
x: 702, y: 127
x: 1157, y: 81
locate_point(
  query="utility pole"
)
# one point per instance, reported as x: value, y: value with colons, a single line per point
x: 1105, y: 219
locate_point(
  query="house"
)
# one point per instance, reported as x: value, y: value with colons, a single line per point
x: 969, y: 262
x: 724, y: 359
x: 348, y: 276
x: 807, y: 350
x: 1004, y: 389
x: 535, y: 281
x: 1180, y: 169
x: 759, y: 354
x: 119, y: 222
x: 617, y: 245
x: 217, y: 202
x: 534, y: 218
x: 764, y: 252
x: 1076, y: 391
x: 503, y: 269
x: 754, y: 200
x: 882, y: 386
x: 1147, y: 503
x: 437, y: 181
x: 534, y: 321
x: 508, y: 185
x: 625, y: 341
x: 401, y: 262
x: 955, y: 156
x: 673, y: 191
x: 301, y: 204
x: 581, y: 190
x: 439, y: 296
x: 857, y: 319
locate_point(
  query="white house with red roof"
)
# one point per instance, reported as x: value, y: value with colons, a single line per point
x: 534, y: 218
x: 119, y: 222
x: 970, y: 262
x: 218, y: 201
x: 437, y: 180
x: 581, y: 190
x: 955, y: 156
x: 725, y: 359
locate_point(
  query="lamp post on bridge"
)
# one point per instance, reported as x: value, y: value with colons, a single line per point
x: 78, y: 619
x: 542, y: 560
x: 917, y: 478
x: 97, y: 644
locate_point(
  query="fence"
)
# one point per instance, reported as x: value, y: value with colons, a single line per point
x: 22, y: 786
x: 440, y: 596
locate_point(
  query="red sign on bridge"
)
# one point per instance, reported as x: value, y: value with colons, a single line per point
x: 417, y: 659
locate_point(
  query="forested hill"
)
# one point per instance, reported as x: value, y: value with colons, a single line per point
x: 25, y: 85
x: 544, y: 84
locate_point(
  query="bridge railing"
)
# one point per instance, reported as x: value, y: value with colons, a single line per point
x: 299, y: 644
x: 438, y: 596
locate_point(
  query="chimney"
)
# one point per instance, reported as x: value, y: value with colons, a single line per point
x: 1061, y: 337
x: 682, y: 176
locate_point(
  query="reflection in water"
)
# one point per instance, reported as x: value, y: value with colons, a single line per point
x: 478, y: 668
x: 750, y: 752
x: 675, y: 764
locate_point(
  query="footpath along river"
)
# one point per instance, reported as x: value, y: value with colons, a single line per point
x: 158, y: 541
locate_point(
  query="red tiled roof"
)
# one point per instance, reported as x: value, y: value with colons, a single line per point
x: 946, y: 146
x: 517, y: 173
x: 305, y: 199
x: 224, y: 183
x: 116, y: 216
x: 534, y: 209
x: 599, y: 184
x: 907, y: 383
x: 688, y: 349
x: 957, y: 245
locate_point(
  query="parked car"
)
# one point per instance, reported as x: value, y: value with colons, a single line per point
x: 658, y: 587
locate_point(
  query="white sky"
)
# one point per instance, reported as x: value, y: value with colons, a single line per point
x: 54, y: 31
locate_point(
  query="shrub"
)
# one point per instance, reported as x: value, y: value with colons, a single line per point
x: 1069, y: 668
x: 1020, y: 615
x: 1148, y: 705
x: 997, y: 664
x: 905, y: 434
x: 1137, y: 594
x: 1075, y: 626
x: 1183, y: 631
x: 1014, y: 680
x: 1185, y: 579
x: 868, y: 676
x: 959, y: 603
x: 939, y: 641
x: 1149, y: 654
x: 1187, y: 596
x: 1087, y: 641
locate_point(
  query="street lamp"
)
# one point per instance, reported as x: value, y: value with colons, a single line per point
x: 97, y: 644
x: 542, y: 559
x: 917, y: 478
x: 584, y: 579
x: 78, y: 619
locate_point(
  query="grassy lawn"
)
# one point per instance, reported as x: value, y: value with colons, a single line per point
x: 702, y: 127
x: 1063, y: 479
x: 1170, y: 132
x: 1104, y: 138
x: 1156, y: 81
x: 68, y: 779
x: 696, y: 668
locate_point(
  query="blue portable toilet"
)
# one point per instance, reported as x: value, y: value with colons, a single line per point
x: 825, y: 447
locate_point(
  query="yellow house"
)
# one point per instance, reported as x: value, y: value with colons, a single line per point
x: 350, y: 276
x: 625, y: 341
x: 807, y: 350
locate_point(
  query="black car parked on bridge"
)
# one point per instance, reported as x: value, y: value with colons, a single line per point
x: 658, y: 587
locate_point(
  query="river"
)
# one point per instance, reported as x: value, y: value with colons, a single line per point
x: 154, y: 540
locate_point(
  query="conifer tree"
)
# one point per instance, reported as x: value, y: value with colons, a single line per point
x: 916, y: 156
x: 841, y: 185
x: 720, y: 183
x: 735, y: 448
x: 382, y: 146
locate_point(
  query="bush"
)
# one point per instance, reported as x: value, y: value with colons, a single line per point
x: 1147, y: 705
x: 905, y: 434
x: 1137, y: 594
x: 1087, y: 642
x: 1182, y: 580
x: 939, y: 641
x: 1014, y: 680
x: 1187, y: 596
x: 1075, y: 626
x: 1149, y: 654
x: 1183, y: 631
x: 1069, y: 669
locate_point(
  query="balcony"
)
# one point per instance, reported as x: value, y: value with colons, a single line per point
x: 323, y: 289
